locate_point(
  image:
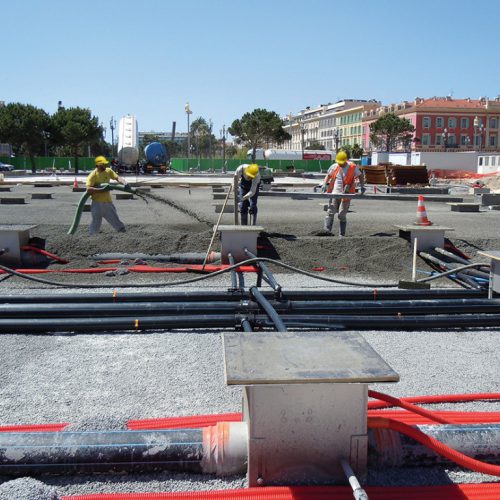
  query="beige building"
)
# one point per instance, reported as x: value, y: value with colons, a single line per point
x: 331, y: 125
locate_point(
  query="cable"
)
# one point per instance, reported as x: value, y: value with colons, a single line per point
x: 194, y: 280
x: 453, y: 271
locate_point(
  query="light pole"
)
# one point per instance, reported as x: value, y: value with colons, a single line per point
x: 188, y: 111
x: 112, y: 126
x: 478, y: 131
x: 46, y: 135
x: 197, y: 137
x: 467, y: 141
x: 444, y: 135
x: 290, y: 116
x: 223, y: 134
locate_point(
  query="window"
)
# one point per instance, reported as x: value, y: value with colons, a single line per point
x: 480, y: 161
x: 426, y: 139
x: 486, y: 161
x: 493, y: 140
x: 464, y: 123
x: 493, y: 123
x: 452, y: 140
x: 452, y: 122
x: 426, y: 122
x: 439, y: 122
x: 464, y: 140
x: 439, y: 140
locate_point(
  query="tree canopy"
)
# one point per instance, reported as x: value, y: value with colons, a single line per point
x: 258, y: 129
x: 389, y: 131
x: 25, y: 127
x: 75, y: 128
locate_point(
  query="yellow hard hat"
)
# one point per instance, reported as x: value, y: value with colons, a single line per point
x: 341, y: 157
x: 252, y: 170
x: 101, y: 160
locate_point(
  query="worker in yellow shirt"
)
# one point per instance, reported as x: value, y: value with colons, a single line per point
x: 102, y: 204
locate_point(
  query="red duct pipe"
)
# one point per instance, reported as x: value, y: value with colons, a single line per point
x: 485, y: 491
x: 41, y: 251
x: 440, y: 398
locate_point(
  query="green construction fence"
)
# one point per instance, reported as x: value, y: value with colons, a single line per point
x: 179, y: 164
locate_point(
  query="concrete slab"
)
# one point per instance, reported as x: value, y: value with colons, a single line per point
x: 228, y: 209
x: 464, y: 207
x: 41, y: 196
x: 12, y: 201
x: 489, y: 199
x: 124, y: 196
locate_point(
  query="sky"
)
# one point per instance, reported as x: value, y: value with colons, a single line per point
x: 227, y: 57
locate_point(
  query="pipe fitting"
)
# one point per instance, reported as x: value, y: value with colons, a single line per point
x: 225, y: 448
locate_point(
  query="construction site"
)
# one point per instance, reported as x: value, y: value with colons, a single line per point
x: 194, y: 357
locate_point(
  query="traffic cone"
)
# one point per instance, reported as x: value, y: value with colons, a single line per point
x: 75, y: 183
x: 422, y: 219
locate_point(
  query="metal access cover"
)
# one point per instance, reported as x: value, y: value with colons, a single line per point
x: 302, y: 357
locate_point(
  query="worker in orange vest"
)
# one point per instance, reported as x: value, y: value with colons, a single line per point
x: 341, y: 178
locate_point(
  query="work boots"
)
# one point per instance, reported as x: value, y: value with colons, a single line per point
x: 328, y: 227
x: 254, y: 219
x: 343, y: 225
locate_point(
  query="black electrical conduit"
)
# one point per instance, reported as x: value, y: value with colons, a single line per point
x: 269, y: 278
x: 310, y: 307
x: 327, y: 321
x: 452, y: 256
x: 271, y: 312
x: 236, y: 295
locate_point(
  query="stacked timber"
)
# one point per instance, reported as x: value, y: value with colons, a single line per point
x: 396, y: 175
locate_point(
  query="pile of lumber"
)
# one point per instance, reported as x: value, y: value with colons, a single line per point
x: 396, y: 175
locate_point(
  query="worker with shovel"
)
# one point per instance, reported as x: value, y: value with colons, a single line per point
x: 341, y: 178
x: 102, y: 204
x: 248, y: 179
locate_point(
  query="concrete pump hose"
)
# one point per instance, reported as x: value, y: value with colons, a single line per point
x: 85, y: 197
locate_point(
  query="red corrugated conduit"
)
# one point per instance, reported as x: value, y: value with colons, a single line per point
x: 486, y: 491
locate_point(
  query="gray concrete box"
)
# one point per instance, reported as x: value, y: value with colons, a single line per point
x: 12, y: 238
x: 234, y: 240
x: 489, y: 199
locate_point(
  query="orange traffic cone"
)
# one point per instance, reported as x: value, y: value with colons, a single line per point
x: 422, y: 219
x: 75, y: 183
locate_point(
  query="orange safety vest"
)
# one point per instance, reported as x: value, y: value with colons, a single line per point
x: 348, y: 180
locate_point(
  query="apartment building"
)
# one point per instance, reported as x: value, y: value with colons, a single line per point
x: 327, y: 124
x: 180, y: 137
x: 444, y: 123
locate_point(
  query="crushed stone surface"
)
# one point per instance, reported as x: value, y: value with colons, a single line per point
x: 100, y: 381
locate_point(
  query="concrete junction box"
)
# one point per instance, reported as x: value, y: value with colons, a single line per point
x: 305, y: 402
x: 234, y: 240
x: 428, y: 237
x: 12, y: 238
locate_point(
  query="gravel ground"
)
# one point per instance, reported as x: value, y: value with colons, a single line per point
x: 100, y: 381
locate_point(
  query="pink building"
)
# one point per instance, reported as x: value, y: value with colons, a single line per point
x: 444, y: 124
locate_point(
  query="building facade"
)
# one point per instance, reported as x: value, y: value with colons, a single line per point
x: 331, y: 125
x: 180, y: 137
x: 444, y: 124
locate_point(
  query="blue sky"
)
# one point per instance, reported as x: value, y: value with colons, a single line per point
x: 227, y: 57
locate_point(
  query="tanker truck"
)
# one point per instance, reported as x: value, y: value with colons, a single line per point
x: 157, y: 158
x: 128, y: 144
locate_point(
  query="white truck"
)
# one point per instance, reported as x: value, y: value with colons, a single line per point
x: 128, y: 142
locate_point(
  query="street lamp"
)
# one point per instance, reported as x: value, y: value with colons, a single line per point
x: 112, y: 126
x: 197, y: 137
x: 290, y: 117
x: 478, y: 131
x: 336, y: 139
x: 188, y: 111
x: 444, y: 135
x: 46, y: 136
x: 223, y: 134
x: 467, y: 141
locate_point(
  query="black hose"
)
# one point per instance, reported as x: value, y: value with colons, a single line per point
x: 233, y: 272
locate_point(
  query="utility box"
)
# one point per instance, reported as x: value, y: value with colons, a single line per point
x: 428, y: 237
x: 234, y: 240
x: 305, y: 402
x: 12, y: 238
